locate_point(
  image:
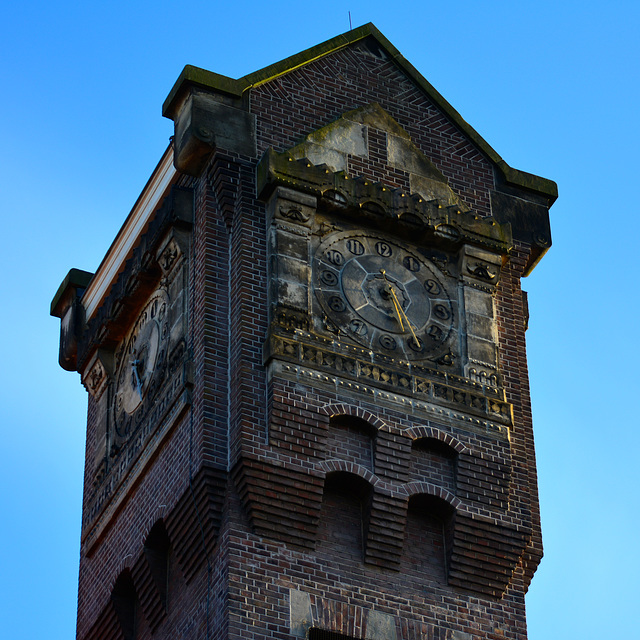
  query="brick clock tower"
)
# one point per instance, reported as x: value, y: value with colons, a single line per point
x: 304, y: 352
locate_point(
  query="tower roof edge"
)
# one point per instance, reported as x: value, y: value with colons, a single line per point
x: 192, y: 76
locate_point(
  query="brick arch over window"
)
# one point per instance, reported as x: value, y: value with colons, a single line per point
x: 348, y: 468
x: 344, y: 409
x: 420, y: 432
x: 155, y: 516
x: 412, y: 489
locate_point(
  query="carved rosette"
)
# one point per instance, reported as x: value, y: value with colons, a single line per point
x: 171, y: 252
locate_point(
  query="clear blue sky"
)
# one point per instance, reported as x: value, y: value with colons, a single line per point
x: 552, y: 86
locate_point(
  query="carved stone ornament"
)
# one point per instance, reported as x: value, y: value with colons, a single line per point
x: 483, y: 376
x: 95, y: 378
x: 481, y: 270
x: 542, y: 240
x: 361, y: 199
x: 292, y: 319
x: 295, y: 213
x: 169, y: 256
x: 447, y: 232
x: 446, y: 359
x: 329, y: 326
x: 324, y: 228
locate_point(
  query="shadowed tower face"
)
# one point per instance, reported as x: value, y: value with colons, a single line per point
x: 305, y: 359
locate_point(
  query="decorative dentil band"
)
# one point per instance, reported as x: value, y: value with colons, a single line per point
x: 368, y: 199
x: 416, y: 381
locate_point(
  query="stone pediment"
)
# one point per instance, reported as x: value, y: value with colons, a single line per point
x: 375, y: 204
x: 333, y: 144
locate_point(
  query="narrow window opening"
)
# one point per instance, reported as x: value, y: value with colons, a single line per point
x: 353, y: 439
x: 156, y: 549
x: 123, y: 597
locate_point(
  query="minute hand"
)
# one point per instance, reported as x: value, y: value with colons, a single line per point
x: 399, y: 310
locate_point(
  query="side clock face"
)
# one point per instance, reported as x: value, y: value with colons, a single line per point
x: 383, y: 295
x: 141, y: 357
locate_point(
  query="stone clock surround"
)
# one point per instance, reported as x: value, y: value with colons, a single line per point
x: 309, y: 206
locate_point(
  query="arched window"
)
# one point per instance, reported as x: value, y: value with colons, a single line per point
x: 344, y: 517
x: 353, y: 439
x: 434, y: 461
x: 123, y: 597
x: 156, y: 589
x: 156, y: 550
x: 427, y: 540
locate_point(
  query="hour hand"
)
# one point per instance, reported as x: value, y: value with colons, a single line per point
x: 136, y: 375
x: 388, y: 294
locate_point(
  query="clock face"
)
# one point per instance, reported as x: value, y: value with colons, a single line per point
x: 383, y: 295
x: 139, y: 362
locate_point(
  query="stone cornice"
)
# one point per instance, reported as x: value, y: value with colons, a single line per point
x: 475, y: 405
x: 380, y: 204
x: 161, y: 180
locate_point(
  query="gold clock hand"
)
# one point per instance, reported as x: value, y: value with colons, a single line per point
x: 389, y: 290
x: 398, y: 307
x: 395, y: 304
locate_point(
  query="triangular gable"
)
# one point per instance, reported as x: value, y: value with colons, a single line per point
x: 333, y: 144
x: 195, y: 77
